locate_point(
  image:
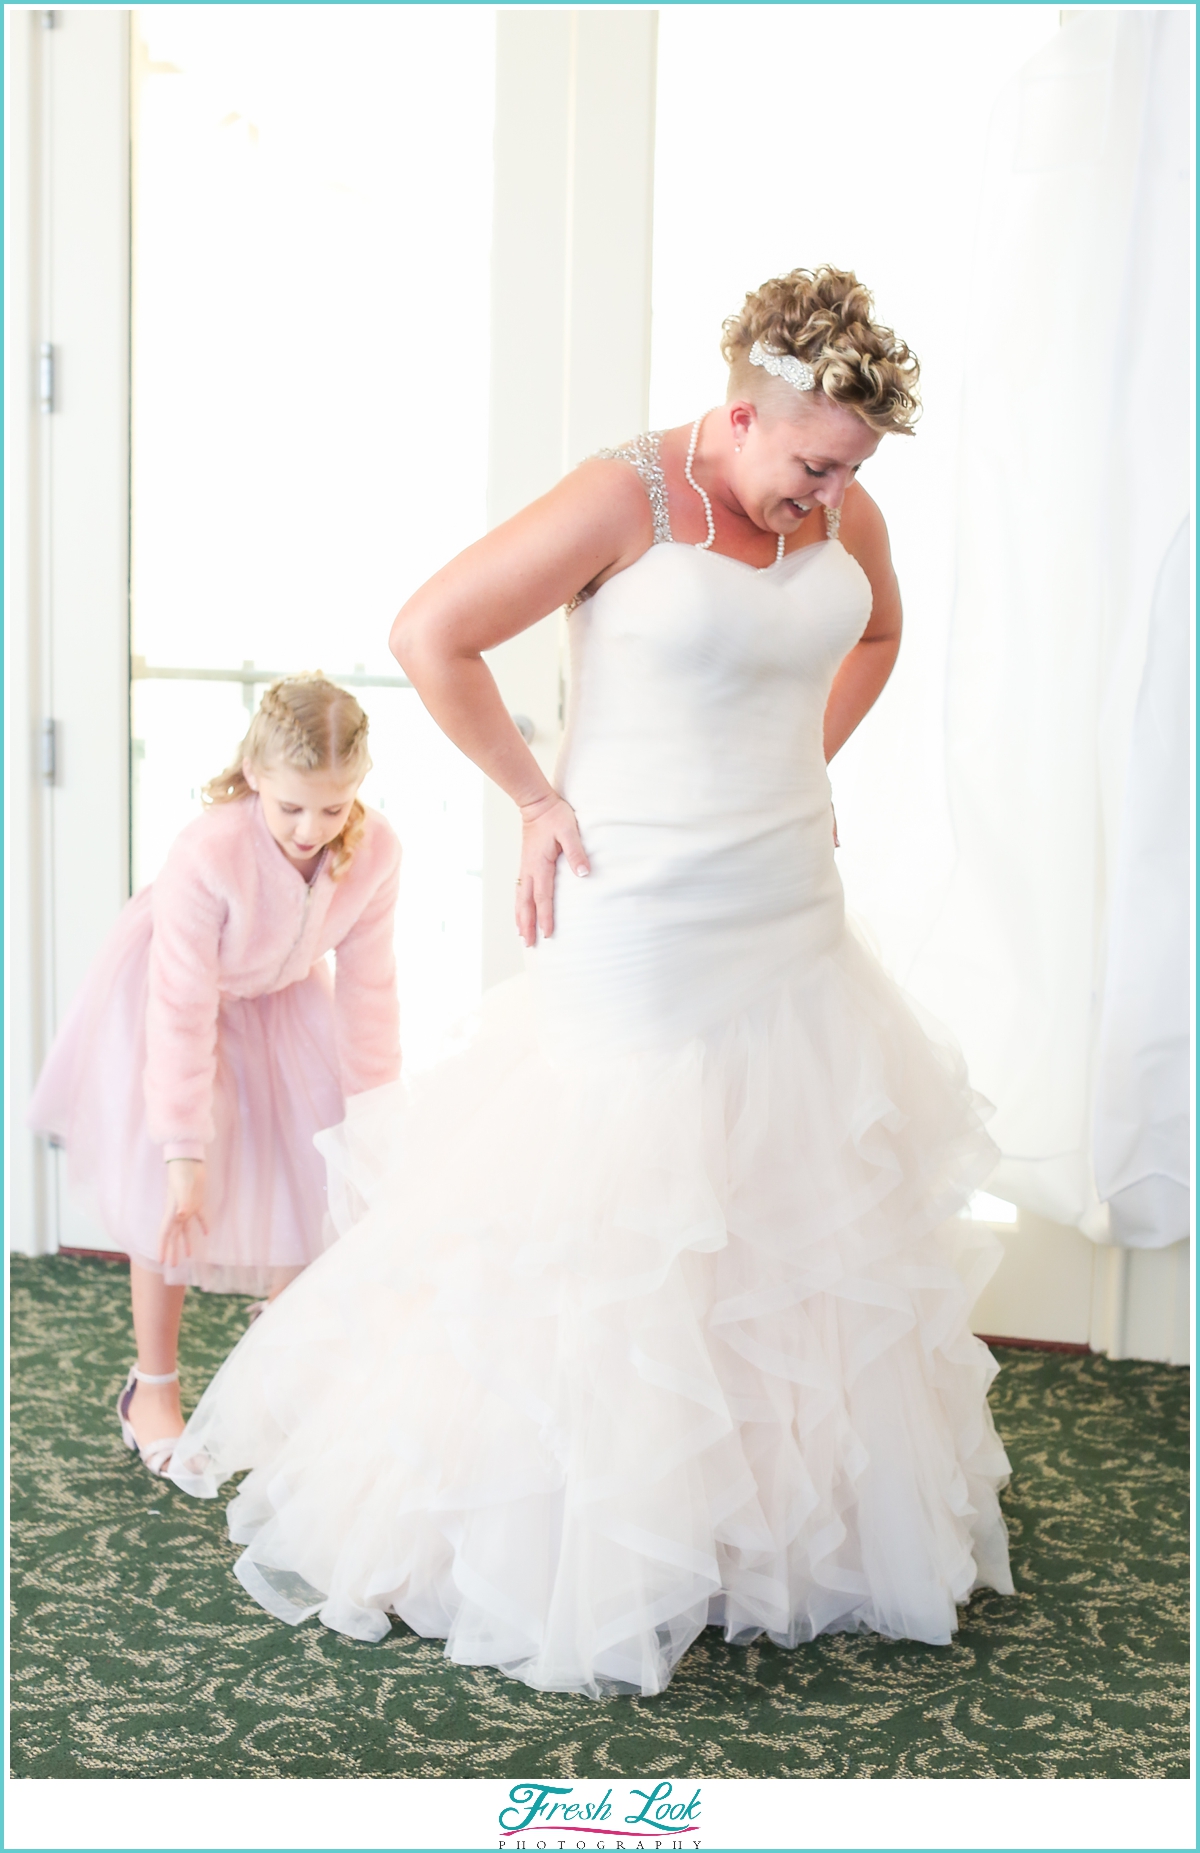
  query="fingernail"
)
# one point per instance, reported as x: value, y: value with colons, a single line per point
x: 583, y: 871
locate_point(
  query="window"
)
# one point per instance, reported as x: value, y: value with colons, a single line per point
x: 311, y: 226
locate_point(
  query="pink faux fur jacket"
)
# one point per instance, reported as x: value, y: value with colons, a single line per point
x: 231, y: 914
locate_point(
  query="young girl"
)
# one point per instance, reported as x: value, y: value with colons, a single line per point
x: 209, y: 1042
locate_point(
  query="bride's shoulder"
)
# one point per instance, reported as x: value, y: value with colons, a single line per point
x: 863, y: 534
x: 608, y: 472
x: 615, y: 505
x: 863, y: 530
x: 623, y: 483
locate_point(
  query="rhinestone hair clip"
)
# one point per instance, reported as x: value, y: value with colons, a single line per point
x: 797, y: 373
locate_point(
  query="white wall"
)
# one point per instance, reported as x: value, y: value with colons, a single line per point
x: 1056, y: 1285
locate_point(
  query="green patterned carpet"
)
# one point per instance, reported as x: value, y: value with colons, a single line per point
x: 135, y: 1653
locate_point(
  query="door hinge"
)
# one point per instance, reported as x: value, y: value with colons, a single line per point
x: 46, y: 376
x: 49, y: 752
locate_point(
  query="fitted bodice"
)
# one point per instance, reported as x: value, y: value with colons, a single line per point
x: 694, y: 762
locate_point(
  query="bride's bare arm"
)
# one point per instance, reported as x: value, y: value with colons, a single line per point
x: 595, y: 522
x: 860, y: 680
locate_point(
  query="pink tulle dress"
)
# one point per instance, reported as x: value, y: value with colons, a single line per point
x: 211, y: 1026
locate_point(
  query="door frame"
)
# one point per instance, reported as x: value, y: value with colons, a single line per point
x: 572, y: 224
x: 67, y: 637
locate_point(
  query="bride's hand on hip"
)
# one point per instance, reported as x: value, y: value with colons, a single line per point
x: 548, y: 831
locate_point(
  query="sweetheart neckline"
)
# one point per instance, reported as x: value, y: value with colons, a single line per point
x: 812, y: 546
x: 687, y: 546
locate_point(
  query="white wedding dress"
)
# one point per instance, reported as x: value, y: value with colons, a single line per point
x: 647, y: 1312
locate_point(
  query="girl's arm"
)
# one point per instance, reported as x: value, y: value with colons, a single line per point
x: 860, y: 680
x: 594, y: 523
x: 366, y: 1008
x: 181, y: 1008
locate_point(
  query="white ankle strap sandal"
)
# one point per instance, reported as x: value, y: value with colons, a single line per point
x: 156, y: 1455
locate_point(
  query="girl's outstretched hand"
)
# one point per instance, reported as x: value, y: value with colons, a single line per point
x: 548, y: 831
x: 185, y: 1212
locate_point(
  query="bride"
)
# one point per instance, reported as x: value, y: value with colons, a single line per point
x: 649, y: 1311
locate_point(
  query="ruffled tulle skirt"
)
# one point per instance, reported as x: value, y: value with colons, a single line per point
x: 612, y: 1351
x: 277, y: 1085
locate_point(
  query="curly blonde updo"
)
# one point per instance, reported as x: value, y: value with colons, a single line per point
x: 308, y: 722
x: 824, y: 317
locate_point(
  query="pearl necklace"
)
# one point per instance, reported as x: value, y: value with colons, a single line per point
x: 703, y: 545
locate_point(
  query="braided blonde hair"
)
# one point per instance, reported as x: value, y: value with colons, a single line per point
x: 825, y: 317
x: 308, y: 722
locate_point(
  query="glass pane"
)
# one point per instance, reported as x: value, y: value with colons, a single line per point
x: 312, y: 221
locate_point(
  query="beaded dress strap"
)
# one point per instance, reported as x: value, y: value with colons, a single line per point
x: 833, y: 521
x: 643, y: 453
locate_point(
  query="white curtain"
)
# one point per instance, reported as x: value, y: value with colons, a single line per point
x: 1060, y: 948
x: 1140, y: 1138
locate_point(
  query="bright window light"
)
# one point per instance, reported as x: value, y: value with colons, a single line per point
x: 983, y: 1208
x: 312, y: 190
